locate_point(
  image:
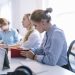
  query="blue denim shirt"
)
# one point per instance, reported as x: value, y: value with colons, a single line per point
x: 9, y: 37
x: 53, y: 50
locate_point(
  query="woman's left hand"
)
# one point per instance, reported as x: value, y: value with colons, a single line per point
x: 28, y: 54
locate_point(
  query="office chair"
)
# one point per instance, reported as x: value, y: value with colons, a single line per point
x: 21, y: 70
x: 71, y: 56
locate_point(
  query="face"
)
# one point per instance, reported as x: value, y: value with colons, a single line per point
x: 26, y: 22
x: 39, y: 26
x: 5, y: 27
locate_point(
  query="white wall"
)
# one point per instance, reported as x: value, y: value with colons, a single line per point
x: 5, y: 9
x: 63, y: 16
x: 19, y: 8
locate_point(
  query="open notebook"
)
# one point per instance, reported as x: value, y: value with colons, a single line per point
x: 4, y: 62
x: 16, y: 52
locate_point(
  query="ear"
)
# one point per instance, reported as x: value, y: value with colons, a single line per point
x: 43, y: 22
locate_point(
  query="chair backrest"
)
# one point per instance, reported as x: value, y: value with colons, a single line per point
x: 21, y: 70
x: 71, y: 56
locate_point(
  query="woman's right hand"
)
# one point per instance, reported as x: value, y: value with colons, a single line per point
x: 27, y: 54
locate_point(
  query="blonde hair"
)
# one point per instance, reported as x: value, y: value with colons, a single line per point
x: 30, y: 30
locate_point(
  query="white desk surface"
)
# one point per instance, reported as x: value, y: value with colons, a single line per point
x: 36, y: 67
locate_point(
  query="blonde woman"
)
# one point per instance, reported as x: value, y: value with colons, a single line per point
x: 32, y: 38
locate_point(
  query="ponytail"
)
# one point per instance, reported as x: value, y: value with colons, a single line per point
x: 28, y: 34
x: 48, y: 10
x: 46, y: 15
x: 30, y: 30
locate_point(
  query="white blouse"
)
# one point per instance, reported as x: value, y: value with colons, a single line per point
x: 34, y: 41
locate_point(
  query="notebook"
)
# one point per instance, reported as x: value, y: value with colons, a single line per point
x: 16, y: 52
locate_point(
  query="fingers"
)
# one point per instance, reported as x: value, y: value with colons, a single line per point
x: 23, y: 53
x: 28, y: 54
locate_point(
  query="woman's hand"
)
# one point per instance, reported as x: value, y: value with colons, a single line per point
x: 28, y: 54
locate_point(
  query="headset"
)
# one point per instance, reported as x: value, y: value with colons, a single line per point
x: 21, y: 70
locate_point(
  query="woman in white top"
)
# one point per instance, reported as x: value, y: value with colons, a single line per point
x: 32, y: 38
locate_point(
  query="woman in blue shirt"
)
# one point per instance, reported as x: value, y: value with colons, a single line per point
x: 8, y: 35
x: 53, y: 50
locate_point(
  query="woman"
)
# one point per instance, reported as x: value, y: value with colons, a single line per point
x: 53, y: 50
x: 8, y: 35
x: 32, y: 39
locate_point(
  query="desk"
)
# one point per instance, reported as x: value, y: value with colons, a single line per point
x: 37, y: 68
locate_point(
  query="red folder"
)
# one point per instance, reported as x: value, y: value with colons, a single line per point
x: 16, y: 53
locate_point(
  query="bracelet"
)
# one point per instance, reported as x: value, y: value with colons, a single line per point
x: 34, y: 56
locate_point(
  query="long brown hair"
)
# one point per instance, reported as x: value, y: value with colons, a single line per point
x: 30, y: 30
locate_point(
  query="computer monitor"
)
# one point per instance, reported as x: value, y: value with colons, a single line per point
x: 4, y: 62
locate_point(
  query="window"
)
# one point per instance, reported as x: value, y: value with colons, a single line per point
x: 5, y: 10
